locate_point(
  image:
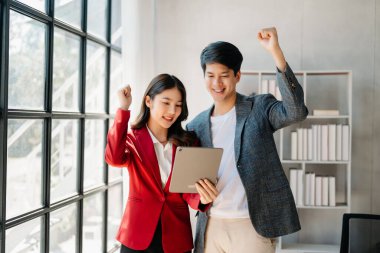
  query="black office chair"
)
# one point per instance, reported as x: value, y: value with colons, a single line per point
x: 360, y: 233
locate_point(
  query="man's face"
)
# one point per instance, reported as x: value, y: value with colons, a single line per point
x: 221, y: 82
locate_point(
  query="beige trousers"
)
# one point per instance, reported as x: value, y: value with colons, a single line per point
x: 235, y: 236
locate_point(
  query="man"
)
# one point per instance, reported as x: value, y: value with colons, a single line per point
x: 255, y: 203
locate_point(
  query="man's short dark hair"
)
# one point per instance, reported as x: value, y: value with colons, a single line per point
x: 224, y: 53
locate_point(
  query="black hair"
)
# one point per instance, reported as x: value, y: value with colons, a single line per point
x: 176, y: 134
x: 224, y: 53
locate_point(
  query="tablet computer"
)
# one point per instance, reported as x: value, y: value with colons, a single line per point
x: 192, y: 164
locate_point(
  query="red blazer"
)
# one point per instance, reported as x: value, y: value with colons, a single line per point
x: 147, y: 201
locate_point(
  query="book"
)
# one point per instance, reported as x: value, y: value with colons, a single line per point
x: 293, y: 155
x: 299, y: 144
x: 304, y: 144
x: 339, y: 142
x: 293, y: 182
x: 318, y: 190
x: 332, y: 142
x: 309, y: 144
x: 312, y: 189
x: 315, y: 142
x: 324, y: 142
x: 307, y: 188
x: 325, y: 112
x: 299, y: 187
x: 325, y: 191
x: 345, y: 142
x: 319, y: 142
x: 332, y: 191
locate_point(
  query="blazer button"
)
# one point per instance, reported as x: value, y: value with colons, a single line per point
x: 162, y: 199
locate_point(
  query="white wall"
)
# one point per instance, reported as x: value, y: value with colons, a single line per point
x: 375, y: 189
x: 318, y: 35
x: 138, y: 20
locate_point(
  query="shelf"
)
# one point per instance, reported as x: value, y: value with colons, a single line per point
x: 328, y: 117
x: 297, y: 72
x: 314, y: 248
x: 335, y: 90
x: 343, y: 207
x: 328, y: 72
x: 314, y: 162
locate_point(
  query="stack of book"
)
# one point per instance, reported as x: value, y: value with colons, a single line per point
x: 318, y: 190
x: 321, y: 143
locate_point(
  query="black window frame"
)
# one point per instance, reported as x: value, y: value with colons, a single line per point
x: 48, y: 114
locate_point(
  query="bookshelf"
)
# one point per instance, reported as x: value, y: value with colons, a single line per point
x: 323, y: 90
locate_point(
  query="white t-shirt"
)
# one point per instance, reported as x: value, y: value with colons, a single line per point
x: 164, y: 157
x: 232, y: 200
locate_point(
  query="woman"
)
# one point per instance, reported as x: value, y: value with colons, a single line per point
x: 155, y: 220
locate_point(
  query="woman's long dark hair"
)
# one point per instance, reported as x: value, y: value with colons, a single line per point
x: 176, y: 134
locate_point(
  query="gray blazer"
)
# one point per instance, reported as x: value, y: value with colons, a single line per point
x: 270, y: 201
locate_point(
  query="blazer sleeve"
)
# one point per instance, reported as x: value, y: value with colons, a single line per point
x: 292, y: 108
x: 117, y: 153
x: 194, y: 201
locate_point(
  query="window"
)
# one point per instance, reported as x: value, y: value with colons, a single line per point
x: 60, y: 67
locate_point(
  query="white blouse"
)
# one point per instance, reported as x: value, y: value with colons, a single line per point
x: 164, y: 157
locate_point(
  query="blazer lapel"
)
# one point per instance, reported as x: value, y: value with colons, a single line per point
x: 148, y: 153
x: 243, y: 108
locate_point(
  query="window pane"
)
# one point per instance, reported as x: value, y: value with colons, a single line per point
x: 95, y: 77
x: 116, y: 23
x: 63, y: 229
x: 115, y: 211
x: 37, y: 4
x: 97, y: 18
x: 94, y: 153
x: 26, y: 62
x: 24, y: 238
x: 66, y: 80
x: 64, y: 158
x: 69, y: 11
x: 93, y: 224
x: 24, y: 168
x: 114, y: 173
x: 116, y: 80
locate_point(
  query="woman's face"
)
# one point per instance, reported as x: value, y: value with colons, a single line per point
x: 165, y: 107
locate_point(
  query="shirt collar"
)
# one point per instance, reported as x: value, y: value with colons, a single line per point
x: 168, y: 145
x: 154, y: 139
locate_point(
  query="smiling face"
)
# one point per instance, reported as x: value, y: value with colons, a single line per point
x: 221, y: 83
x: 164, y: 108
